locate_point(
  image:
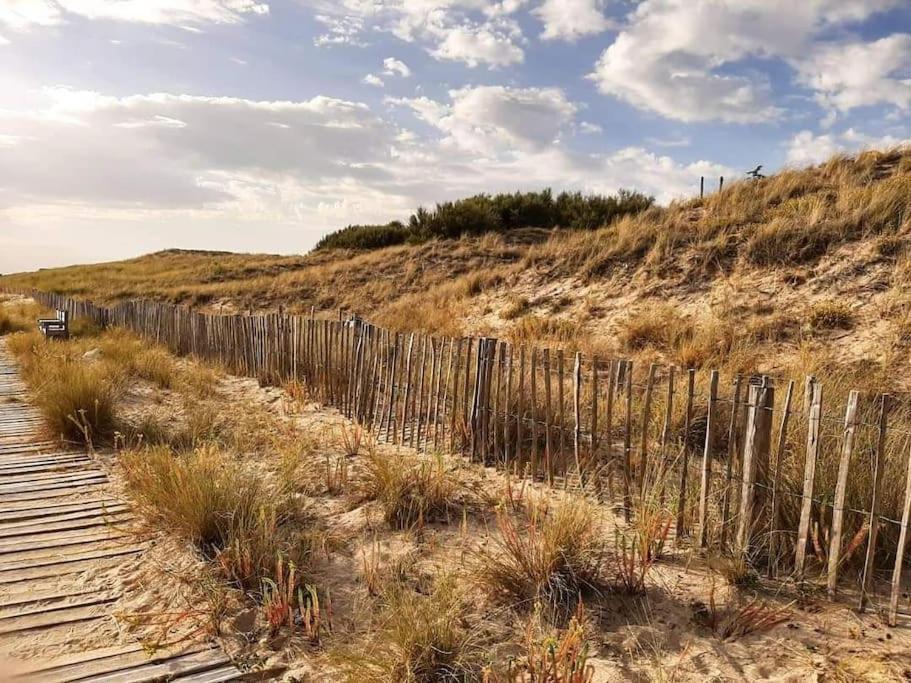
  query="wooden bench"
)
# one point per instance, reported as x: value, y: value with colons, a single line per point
x: 56, y: 327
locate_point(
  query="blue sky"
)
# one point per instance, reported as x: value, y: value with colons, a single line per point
x: 128, y: 126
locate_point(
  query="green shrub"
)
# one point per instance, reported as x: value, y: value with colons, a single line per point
x: 365, y: 237
x: 484, y: 213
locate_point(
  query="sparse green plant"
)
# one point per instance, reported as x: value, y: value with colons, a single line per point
x: 336, y: 475
x: 351, y: 438
x: 559, y: 657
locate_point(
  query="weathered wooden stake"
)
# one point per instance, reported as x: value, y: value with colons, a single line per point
x: 756, y: 447
x: 841, y: 487
x: 706, y: 479
x: 873, y: 516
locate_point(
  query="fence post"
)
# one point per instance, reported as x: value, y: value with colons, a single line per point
x: 627, y: 369
x: 548, y: 444
x: 813, y: 401
x: 900, y: 552
x: 755, y: 459
x: 705, y: 484
x: 772, y: 568
x: 873, y: 517
x: 684, y: 464
x: 646, y: 416
x: 841, y: 486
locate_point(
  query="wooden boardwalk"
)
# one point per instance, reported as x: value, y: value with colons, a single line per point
x: 61, y: 534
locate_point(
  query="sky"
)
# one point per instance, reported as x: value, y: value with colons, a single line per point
x: 129, y: 126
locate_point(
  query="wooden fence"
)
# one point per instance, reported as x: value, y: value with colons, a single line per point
x: 807, y: 485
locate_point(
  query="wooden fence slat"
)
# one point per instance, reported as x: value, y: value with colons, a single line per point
x: 706, y: 478
x: 646, y: 418
x: 685, y: 455
x: 548, y: 446
x: 873, y: 516
x: 772, y: 567
x: 814, y: 415
x: 841, y: 486
x: 627, y: 369
x: 577, y: 412
x: 755, y: 460
x: 592, y: 464
x: 533, y: 408
x: 729, y: 465
x: 900, y: 551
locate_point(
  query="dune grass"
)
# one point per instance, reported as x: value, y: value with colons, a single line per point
x: 411, y: 490
x: 550, y: 560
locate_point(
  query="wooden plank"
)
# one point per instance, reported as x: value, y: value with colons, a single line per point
x: 841, y: 486
x: 65, y: 615
x: 167, y: 669
x: 87, y: 521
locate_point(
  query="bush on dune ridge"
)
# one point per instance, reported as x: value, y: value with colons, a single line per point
x: 485, y: 213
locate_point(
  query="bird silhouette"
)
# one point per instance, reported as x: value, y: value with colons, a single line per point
x: 755, y: 172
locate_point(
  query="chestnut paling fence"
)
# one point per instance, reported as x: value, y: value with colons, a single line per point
x: 807, y: 482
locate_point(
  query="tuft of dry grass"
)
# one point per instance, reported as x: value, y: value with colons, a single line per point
x: 552, y: 559
x: 533, y: 329
x: 411, y: 490
x: 421, y: 639
x: 662, y: 327
x: 516, y: 306
x: 17, y: 316
x: 637, y: 549
x: 830, y: 315
x: 736, y: 571
x: 77, y: 398
x: 213, y: 502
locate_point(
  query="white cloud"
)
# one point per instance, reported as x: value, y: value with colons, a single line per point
x: 683, y: 58
x: 170, y: 151
x: 342, y: 30
x: 374, y: 80
x: 474, y: 32
x: 849, y: 75
x: 22, y: 14
x: 3, y: 41
x: 806, y: 148
x: 572, y: 19
x: 492, y: 43
x: 590, y: 128
x: 489, y: 119
x: 395, y: 67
